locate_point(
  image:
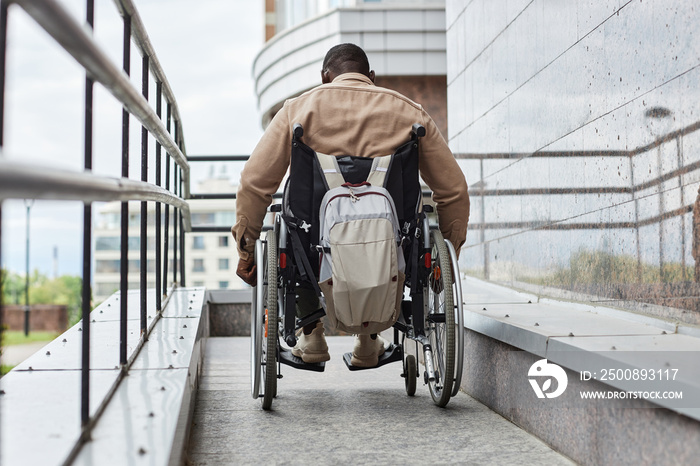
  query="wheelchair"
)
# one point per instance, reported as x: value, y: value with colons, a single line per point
x: 430, y: 316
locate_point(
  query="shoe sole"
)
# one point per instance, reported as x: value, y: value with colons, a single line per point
x: 367, y: 361
x: 364, y: 362
x: 312, y: 358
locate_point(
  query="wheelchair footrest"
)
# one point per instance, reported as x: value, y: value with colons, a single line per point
x: 393, y: 354
x: 286, y: 357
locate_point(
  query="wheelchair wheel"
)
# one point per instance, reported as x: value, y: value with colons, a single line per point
x: 440, y: 324
x: 269, y: 323
x: 410, y: 371
x: 459, y: 319
x: 256, y: 328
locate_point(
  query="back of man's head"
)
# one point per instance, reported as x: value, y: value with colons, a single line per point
x: 346, y: 58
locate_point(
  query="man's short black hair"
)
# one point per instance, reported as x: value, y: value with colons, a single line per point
x: 344, y: 58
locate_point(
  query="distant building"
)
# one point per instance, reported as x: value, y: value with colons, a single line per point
x: 404, y: 41
x: 210, y: 258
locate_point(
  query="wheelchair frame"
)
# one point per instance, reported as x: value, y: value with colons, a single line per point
x: 431, y: 315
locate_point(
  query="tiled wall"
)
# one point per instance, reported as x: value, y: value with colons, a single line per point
x: 576, y: 125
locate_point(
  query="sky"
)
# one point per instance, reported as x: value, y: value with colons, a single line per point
x: 206, y: 49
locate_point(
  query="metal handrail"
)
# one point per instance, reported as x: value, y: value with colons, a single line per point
x: 28, y: 181
x: 140, y: 36
x: 53, y: 18
x: 24, y: 181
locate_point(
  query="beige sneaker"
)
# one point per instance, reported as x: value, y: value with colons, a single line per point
x: 312, y: 348
x: 367, y: 350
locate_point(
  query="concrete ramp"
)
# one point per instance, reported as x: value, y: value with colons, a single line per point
x: 343, y: 417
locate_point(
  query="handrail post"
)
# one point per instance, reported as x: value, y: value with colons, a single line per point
x: 166, y: 220
x: 28, y: 203
x: 144, y: 206
x: 3, y: 52
x: 87, y: 245
x: 176, y: 174
x: 158, y: 220
x: 124, y: 261
x: 182, y: 236
x: 3, y: 45
x: 175, y: 229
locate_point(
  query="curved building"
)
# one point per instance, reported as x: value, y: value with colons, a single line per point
x: 404, y: 41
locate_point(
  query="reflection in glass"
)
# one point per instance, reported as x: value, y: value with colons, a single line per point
x: 580, y: 144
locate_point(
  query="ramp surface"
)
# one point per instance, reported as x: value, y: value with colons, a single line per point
x: 343, y: 417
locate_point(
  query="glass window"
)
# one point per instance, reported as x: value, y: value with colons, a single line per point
x: 198, y: 265
x: 223, y: 284
x: 112, y: 266
x: 134, y: 265
x: 198, y: 242
x: 225, y: 218
x: 105, y: 289
x: 109, y: 221
x: 107, y: 243
x: 198, y: 283
x: 134, y: 219
x: 107, y: 266
x: 223, y: 241
x: 223, y: 264
x: 113, y: 243
x: 202, y: 218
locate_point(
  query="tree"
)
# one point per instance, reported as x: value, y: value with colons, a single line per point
x: 65, y: 290
x: 12, y: 288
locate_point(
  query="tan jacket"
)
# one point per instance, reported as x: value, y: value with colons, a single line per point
x: 350, y: 116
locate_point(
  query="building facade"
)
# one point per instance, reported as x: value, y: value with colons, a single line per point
x: 404, y: 41
x: 210, y: 258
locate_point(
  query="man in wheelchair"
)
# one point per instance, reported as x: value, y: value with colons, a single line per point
x: 347, y: 115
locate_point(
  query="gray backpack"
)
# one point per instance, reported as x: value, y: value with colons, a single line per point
x: 362, y: 266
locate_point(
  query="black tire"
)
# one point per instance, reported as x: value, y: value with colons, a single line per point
x: 410, y: 372
x: 440, y: 322
x: 257, y: 313
x: 270, y: 332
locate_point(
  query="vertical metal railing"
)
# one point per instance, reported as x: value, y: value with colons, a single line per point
x: 87, y: 244
x: 158, y: 220
x: 182, y: 238
x: 166, y: 220
x: 175, y: 216
x: 3, y: 50
x: 143, y: 259
x: 124, y: 256
x: 26, y: 181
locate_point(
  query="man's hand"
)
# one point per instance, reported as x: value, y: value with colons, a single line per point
x: 247, y: 270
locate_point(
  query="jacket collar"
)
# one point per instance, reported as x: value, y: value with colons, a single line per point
x: 350, y: 78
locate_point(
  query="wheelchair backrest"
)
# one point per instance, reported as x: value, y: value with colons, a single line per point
x: 306, y: 187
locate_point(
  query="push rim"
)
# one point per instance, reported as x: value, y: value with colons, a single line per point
x: 440, y: 322
x: 255, y: 329
x: 269, y: 322
x: 459, y: 319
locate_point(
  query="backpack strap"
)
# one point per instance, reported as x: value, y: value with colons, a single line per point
x: 331, y: 170
x: 305, y: 270
x: 380, y: 167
